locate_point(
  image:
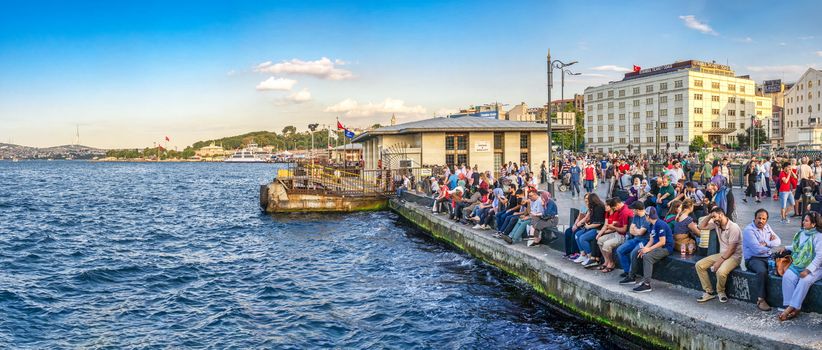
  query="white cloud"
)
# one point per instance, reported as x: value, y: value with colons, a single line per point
x: 819, y: 53
x: 300, y: 96
x: 790, y: 71
x: 695, y: 24
x: 783, y: 44
x: 611, y: 68
x: 324, y: 68
x: 352, y: 108
x: 231, y: 73
x: 746, y: 40
x: 594, y: 75
x: 276, y: 84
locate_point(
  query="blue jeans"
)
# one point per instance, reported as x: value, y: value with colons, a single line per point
x: 400, y: 190
x: 499, y: 219
x: 584, y: 240
x: 626, y: 250
x: 571, y: 245
x: 510, y: 222
x: 519, y: 230
x: 575, y: 186
x: 589, y: 186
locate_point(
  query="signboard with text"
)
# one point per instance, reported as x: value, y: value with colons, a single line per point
x: 771, y: 86
x: 482, y: 146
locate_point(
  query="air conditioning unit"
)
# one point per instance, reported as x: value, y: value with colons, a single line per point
x: 405, y: 163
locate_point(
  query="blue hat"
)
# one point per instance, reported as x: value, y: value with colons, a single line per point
x: 651, y: 213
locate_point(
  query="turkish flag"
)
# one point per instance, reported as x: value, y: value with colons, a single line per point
x: 168, y: 139
x: 340, y: 126
x: 637, y: 69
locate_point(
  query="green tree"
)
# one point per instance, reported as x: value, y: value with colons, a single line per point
x: 697, y: 144
x: 289, y: 130
x: 759, y: 134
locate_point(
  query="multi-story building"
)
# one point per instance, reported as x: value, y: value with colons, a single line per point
x: 775, y: 89
x: 803, y: 111
x: 665, y: 107
x: 559, y: 105
x: 493, y: 110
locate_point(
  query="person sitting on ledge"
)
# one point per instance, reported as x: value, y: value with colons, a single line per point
x: 443, y: 199
x: 597, y: 219
x: 757, y: 239
x: 660, y: 245
x: 613, y: 234
x: 543, y: 217
x: 511, y: 206
x: 804, y: 271
x: 730, y: 252
x: 637, y: 234
x: 518, y: 222
x: 571, y: 246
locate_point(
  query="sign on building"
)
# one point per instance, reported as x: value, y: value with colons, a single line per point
x: 482, y: 146
x: 771, y: 86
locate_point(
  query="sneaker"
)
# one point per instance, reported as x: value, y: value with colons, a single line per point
x: 643, y: 288
x: 627, y: 280
x: 579, y: 259
x: 477, y: 226
x: 484, y: 227
x: 723, y: 298
x: 507, y: 239
x: 623, y: 275
x: 585, y: 260
x: 763, y: 305
x: 591, y: 264
x: 573, y: 257
x: 706, y: 297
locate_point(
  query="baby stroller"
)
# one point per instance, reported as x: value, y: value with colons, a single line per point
x: 565, y: 182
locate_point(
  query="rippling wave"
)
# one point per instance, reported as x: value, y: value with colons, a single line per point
x: 99, y: 255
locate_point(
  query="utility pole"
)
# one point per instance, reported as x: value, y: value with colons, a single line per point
x: 548, y: 117
x: 657, y: 122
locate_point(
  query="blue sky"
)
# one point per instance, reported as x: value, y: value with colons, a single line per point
x: 131, y: 73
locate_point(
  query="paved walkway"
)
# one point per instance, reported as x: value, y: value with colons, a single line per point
x: 744, y: 211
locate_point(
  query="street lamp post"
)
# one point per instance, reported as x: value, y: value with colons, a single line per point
x: 658, y: 94
x: 562, y: 98
x: 551, y: 64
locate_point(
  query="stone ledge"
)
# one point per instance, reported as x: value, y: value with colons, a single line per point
x: 667, y: 317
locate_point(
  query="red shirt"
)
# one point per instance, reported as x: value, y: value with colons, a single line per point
x: 784, y: 186
x: 589, y: 173
x: 621, y: 217
x: 624, y: 168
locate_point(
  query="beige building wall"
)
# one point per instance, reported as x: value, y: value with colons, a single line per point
x: 511, y: 151
x: 484, y: 160
x: 433, y: 148
x: 539, y: 150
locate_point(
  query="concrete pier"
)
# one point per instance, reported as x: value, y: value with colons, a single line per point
x: 275, y: 199
x: 668, y: 317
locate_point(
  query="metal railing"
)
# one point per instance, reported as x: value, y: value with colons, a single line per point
x: 306, y: 178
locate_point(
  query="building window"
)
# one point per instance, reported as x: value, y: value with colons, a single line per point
x: 742, y: 100
x: 524, y: 146
x: 731, y: 113
x: 622, y: 104
x: 663, y: 86
x: 678, y: 125
x: 663, y: 139
x: 599, y: 95
x: 742, y: 126
x: 663, y: 112
x: 622, y: 128
x: 715, y: 85
x: 590, y: 97
x: 610, y: 139
x: 678, y: 138
x: 678, y: 97
x: 731, y: 87
x: 499, y: 149
x: 663, y: 99
x: 636, y: 91
x: 698, y: 83
x: 715, y: 98
x: 649, y: 114
x: 697, y: 124
x: 715, y: 111
x: 622, y: 116
x: 649, y: 126
x: 697, y: 110
x: 611, y: 104
x: 649, y: 139
x: 715, y: 125
x: 456, y: 149
x: 636, y: 103
x: 599, y: 118
x: 610, y: 93
x: 731, y: 125
x: 636, y: 128
x: 621, y: 93
x: 599, y: 106
x: 610, y: 116
x: 698, y: 97
x: 590, y: 140
x: 678, y: 111
x: 731, y: 99
x: 636, y: 114
x: 677, y: 84
x: 742, y: 88
x: 649, y: 88
x: 649, y: 101
x: 610, y: 128
x: 663, y: 125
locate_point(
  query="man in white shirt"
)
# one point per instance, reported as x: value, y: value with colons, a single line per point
x: 766, y: 166
x: 676, y: 173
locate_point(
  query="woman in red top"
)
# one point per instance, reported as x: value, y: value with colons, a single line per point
x: 590, y: 177
x: 787, y: 182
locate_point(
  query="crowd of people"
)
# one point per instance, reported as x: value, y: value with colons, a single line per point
x: 648, y: 214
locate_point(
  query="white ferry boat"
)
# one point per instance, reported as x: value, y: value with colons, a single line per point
x: 251, y: 154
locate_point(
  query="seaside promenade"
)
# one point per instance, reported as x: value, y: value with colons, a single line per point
x: 668, y: 317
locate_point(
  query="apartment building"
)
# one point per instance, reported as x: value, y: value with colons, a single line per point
x: 803, y: 111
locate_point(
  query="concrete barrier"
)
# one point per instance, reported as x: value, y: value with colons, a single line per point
x: 668, y: 317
